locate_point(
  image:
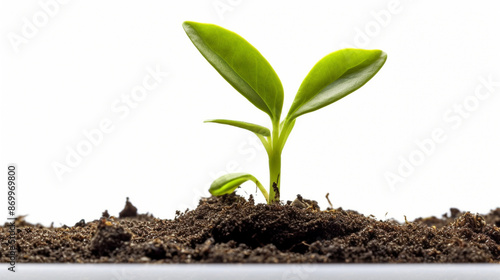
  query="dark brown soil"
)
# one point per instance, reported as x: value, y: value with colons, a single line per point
x: 230, y: 229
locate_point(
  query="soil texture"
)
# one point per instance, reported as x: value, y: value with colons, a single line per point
x: 231, y: 229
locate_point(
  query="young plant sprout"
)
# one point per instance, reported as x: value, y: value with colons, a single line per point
x: 332, y: 78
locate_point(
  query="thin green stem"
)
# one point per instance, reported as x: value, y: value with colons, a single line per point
x: 274, y: 165
x: 265, y: 142
x: 263, y: 190
x: 285, y: 131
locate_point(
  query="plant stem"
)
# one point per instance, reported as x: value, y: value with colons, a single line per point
x: 263, y: 190
x: 274, y: 165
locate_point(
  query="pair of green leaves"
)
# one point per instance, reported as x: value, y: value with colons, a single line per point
x: 242, y: 65
x: 332, y: 78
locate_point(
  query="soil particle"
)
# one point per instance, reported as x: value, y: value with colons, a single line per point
x: 304, y: 203
x: 231, y: 229
x: 81, y: 223
x: 105, y: 214
x: 276, y: 189
x: 129, y: 210
x: 108, y: 238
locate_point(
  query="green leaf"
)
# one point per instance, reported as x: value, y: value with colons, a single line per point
x: 255, y: 128
x: 228, y: 183
x: 240, y: 64
x: 335, y: 76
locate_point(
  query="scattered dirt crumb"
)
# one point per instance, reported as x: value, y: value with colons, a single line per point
x: 105, y: 214
x: 129, y: 210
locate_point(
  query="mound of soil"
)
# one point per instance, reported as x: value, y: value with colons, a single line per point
x: 230, y: 229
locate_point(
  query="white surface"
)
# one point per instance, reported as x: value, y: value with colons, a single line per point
x: 243, y: 272
x: 70, y: 72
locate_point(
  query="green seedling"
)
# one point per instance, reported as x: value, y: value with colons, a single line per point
x: 332, y: 78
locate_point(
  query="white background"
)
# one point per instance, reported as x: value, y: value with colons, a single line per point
x: 65, y: 75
